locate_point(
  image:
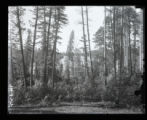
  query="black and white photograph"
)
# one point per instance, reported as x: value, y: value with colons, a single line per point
x: 76, y: 60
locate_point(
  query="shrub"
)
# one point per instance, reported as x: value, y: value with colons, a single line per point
x: 31, y: 95
x: 19, y: 96
x: 125, y: 88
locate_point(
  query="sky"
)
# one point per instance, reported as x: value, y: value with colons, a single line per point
x: 96, y: 19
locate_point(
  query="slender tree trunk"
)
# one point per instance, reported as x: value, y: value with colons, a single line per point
x: 121, y: 54
x: 73, y: 67
x: 105, y: 47
x: 21, y: 46
x: 11, y: 57
x: 126, y: 44
x: 53, y: 53
x: 34, y: 39
x: 117, y: 40
x: 85, y: 46
x: 9, y: 64
x: 54, y: 48
x: 122, y: 40
x: 134, y: 47
x: 114, y: 43
x: 89, y: 41
x: 130, y: 53
x: 111, y: 26
x: 12, y: 64
x: 141, y: 44
x: 47, y: 45
x: 44, y: 46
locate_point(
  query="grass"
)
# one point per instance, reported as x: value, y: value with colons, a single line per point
x: 73, y: 108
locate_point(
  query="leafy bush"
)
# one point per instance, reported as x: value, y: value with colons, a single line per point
x: 19, y: 96
x: 31, y: 95
x: 123, y: 91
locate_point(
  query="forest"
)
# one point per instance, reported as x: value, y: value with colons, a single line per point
x: 81, y: 79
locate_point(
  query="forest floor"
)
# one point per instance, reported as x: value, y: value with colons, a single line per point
x: 73, y: 108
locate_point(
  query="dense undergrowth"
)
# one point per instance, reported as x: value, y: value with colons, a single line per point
x: 44, y: 96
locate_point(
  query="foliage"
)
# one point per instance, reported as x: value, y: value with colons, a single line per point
x: 19, y: 96
x: 126, y: 89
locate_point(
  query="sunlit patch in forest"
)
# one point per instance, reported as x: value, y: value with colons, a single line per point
x: 79, y: 60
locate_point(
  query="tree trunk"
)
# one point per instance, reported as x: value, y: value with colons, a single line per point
x: 141, y: 44
x: 114, y: 43
x: 85, y: 47
x: 126, y: 45
x: 12, y: 64
x: 130, y: 53
x: 121, y: 54
x: 54, y: 47
x: 73, y: 72
x: 122, y: 40
x: 111, y: 26
x: 21, y: 46
x: 10, y: 69
x: 89, y: 41
x: 11, y: 57
x: 134, y: 47
x: 105, y: 47
x: 47, y: 45
x: 44, y: 46
x: 34, y: 39
x: 9, y: 64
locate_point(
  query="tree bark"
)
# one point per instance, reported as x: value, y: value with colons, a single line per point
x: 114, y: 43
x: 34, y: 39
x: 54, y: 47
x: 47, y: 45
x: 9, y: 64
x: 21, y: 45
x: 11, y: 57
x: 13, y: 77
x: 125, y: 45
x: 141, y: 44
x: 89, y: 40
x: 105, y: 47
x: 121, y: 54
x: 130, y: 53
x: 134, y: 47
x: 85, y: 47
